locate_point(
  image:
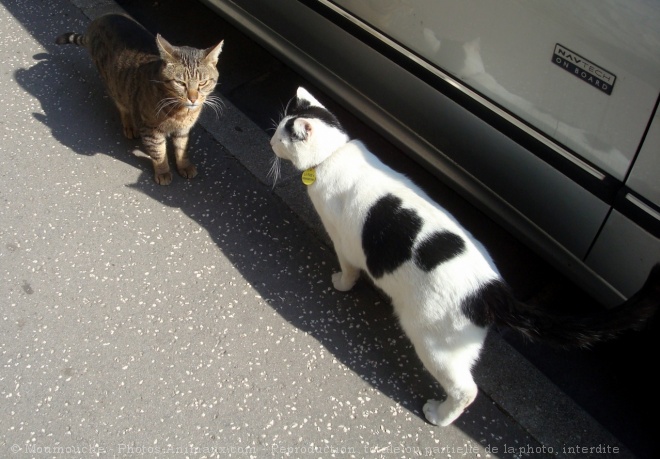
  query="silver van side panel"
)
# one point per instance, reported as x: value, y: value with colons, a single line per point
x: 645, y: 176
x: 627, y: 264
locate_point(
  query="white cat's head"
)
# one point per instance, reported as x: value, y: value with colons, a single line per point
x: 308, y: 133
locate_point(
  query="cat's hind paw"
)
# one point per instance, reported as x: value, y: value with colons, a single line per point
x: 131, y: 133
x: 436, y: 413
x: 340, y: 282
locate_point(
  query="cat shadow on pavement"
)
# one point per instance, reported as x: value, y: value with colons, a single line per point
x: 75, y: 106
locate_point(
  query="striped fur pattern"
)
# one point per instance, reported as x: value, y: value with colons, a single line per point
x: 159, y: 89
x: 445, y: 287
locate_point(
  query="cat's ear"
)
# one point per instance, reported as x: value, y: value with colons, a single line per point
x: 301, y: 129
x: 166, y: 50
x: 213, y: 53
x: 304, y: 94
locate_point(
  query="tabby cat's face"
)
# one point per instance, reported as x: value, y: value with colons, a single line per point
x: 189, y: 74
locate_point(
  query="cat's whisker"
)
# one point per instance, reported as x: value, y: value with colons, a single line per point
x: 170, y: 102
x: 216, y: 103
x: 163, y: 102
x: 273, y: 128
x: 275, y: 123
x: 285, y: 109
x: 275, y: 169
x: 216, y: 99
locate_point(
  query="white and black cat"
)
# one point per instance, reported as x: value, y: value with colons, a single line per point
x: 445, y: 288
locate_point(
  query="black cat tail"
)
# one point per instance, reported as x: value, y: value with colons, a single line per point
x: 494, y: 305
x: 71, y: 38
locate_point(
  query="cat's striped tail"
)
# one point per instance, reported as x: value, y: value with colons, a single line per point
x: 567, y: 330
x: 71, y: 38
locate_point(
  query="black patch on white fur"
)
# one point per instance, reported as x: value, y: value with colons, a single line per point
x: 438, y: 248
x: 484, y: 306
x: 388, y: 235
x: 300, y: 108
x: 291, y: 132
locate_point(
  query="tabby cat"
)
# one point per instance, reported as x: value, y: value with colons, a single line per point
x: 158, y: 88
x: 445, y: 287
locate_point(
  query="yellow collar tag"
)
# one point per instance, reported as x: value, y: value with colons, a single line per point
x: 309, y: 176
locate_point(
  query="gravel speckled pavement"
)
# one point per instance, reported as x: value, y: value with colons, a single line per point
x: 198, y: 320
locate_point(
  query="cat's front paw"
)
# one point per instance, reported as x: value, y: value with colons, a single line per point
x: 341, y: 283
x: 131, y: 133
x: 188, y: 172
x: 164, y: 178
